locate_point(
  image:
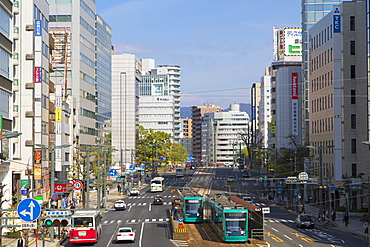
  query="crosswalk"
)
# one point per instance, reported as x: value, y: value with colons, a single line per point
x: 143, y: 197
x: 108, y: 222
x: 180, y: 243
x: 144, y: 203
x: 278, y: 221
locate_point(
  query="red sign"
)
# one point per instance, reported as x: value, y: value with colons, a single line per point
x: 60, y: 188
x: 294, y: 85
x: 37, y: 76
x: 77, y: 185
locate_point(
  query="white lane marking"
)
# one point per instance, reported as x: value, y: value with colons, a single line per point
x: 274, y: 229
x: 112, y: 221
x: 160, y: 219
x: 288, y: 237
x: 154, y: 219
x: 150, y: 207
x: 119, y: 221
x: 133, y: 220
x: 141, y: 233
x: 129, y: 209
x: 105, y: 222
x: 146, y: 220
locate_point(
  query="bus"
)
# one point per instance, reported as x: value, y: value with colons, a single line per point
x: 180, y: 171
x: 157, y: 184
x: 86, y: 227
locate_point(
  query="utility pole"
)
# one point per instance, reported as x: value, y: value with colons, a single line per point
x: 87, y: 179
x: 320, y: 183
x: 99, y: 183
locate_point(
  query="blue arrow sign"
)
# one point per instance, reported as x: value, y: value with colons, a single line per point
x: 29, y: 209
x: 132, y: 167
x: 142, y: 166
x: 112, y: 172
x: 332, y: 187
x: 180, y: 219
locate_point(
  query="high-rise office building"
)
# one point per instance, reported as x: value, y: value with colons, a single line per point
x: 160, y: 98
x: 126, y: 74
x: 197, y: 113
x: 88, y: 72
x: 312, y: 12
x: 221, y: 135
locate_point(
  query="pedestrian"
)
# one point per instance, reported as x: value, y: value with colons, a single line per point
x: 20, y: 242
x: 366, y: 227
x: 119, y: 188
x: 333, y: 215
x: 108, y: 189
x: 72, y: 207
x: 346, y: 219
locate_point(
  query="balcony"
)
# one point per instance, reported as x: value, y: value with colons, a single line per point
x: 15, y: 59
x: 16, y: 7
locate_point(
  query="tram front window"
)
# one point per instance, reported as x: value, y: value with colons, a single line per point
x: 235, y: 224
x: 193, y: 207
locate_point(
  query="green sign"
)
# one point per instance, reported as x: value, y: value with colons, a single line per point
x: 24, y: 184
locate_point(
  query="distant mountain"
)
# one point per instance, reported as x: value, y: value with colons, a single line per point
x: 185, y: 112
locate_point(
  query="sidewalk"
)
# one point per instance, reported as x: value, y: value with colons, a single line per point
x: 111, y: 198
x: 355, y: 226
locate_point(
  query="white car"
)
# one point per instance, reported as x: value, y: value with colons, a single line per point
x: 248, y: 199
x: 120, y: 205
x: 125, y: 234
x: 134, y: 192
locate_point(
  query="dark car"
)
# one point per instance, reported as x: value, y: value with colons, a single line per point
x: 304, y: 220
x: 158, y: 200
x: 246, y: 175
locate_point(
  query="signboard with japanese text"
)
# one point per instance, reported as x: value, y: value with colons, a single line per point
x: 38, y: 27
x: 37, y: 74
x: 37, y: 171
x: 295, y: 104
x: 58, y: 115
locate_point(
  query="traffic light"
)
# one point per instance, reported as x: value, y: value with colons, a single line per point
x: 57, y: 222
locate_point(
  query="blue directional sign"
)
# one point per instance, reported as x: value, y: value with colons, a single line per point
x: 132, y: 167
x: 332, y: 187
x: 142, y: 166
x: 29, y: 209
x: 112, y: 172
x: 180, y: 220
x: 280, y: 190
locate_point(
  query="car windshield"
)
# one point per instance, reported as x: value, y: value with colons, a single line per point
x: 120, y: 202
x: 158, y: 197
x: 305, y: 218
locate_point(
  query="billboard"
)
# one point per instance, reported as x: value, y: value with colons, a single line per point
x: 287, y: 44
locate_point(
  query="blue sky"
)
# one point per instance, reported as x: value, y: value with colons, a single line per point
x: 222, y: 46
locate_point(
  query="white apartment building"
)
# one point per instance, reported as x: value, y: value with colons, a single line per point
x: 221, y: 135
x: 265, y: 109
x: 9, y: 175
x: 160, y: 98
x: 126, y: 76
x: 32, y: 92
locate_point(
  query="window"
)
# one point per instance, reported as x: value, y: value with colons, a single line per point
x: 353, y: 121
x: 352, y: 47
x: 353, y: 97
x: 353, y: 71
x: 354, y: 170
x: 352, y: 25
x: 353, y: 146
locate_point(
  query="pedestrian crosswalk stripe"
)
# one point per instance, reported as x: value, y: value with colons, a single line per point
x: 154, y: 219
x: 105, y: 222
x: 119, y: 221
x: 146, y: 220
x: 133, y: 220
x: 160, y: 219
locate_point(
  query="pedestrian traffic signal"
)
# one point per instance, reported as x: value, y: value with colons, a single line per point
x: 57, y: 222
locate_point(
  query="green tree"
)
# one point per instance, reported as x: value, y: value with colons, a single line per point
x: 151, y: 145
x: 177, y: 154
